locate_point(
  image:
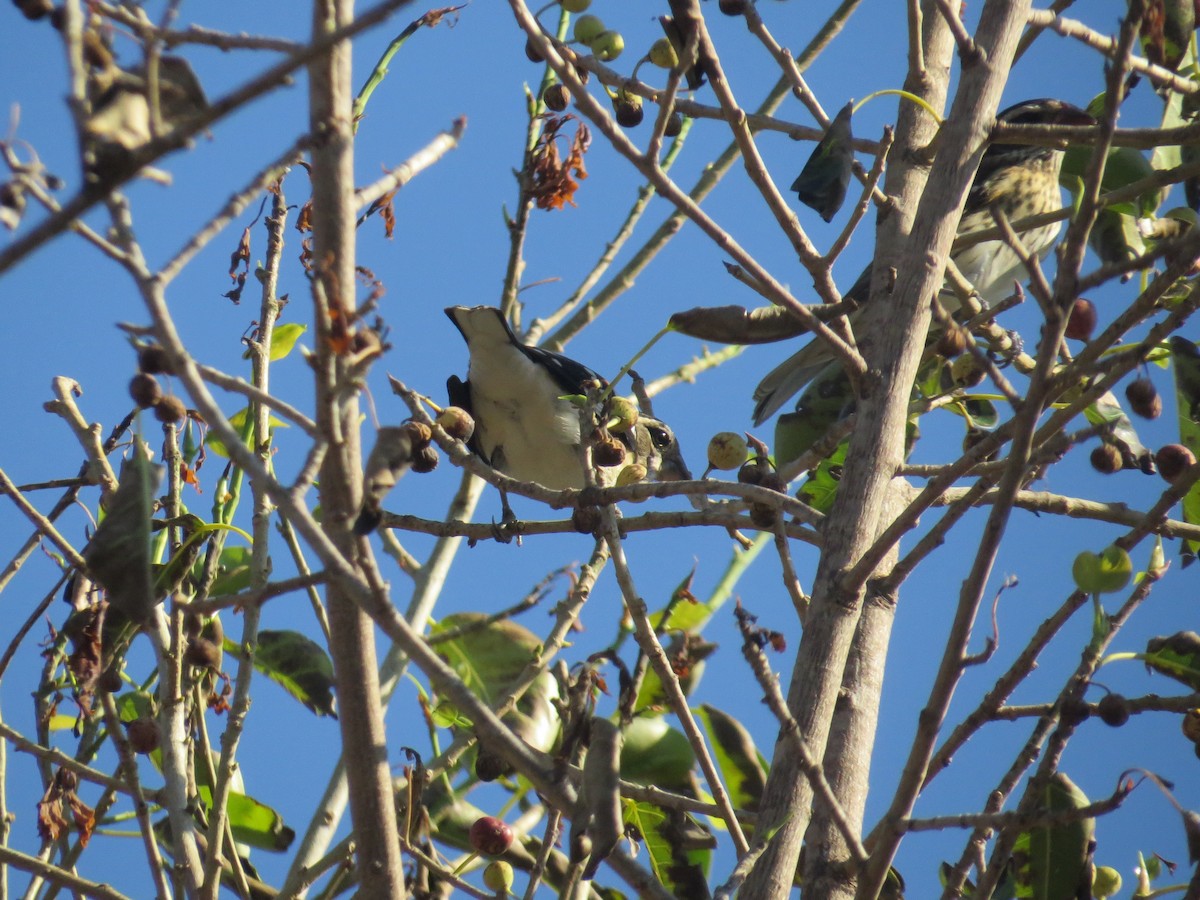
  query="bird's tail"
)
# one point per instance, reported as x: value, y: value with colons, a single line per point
x: 788, y: 378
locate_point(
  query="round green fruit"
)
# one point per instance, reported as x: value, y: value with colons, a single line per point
x: 587, y: 29
x: 663, y: 55
x: 607, y: 45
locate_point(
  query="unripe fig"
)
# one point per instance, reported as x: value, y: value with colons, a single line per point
x: 727, y: 450
x: 622, y: 414
x: 966, y: 371
x: 663, y: 55
x: 498, y: 875
x: 632, y: 474
x: 587, y: 29
x: 457, y: 423
x: 607, y: 45
x: 575, y: 6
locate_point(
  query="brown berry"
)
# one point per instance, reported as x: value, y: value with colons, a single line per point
x: 1191, y: 725
x: 110, y: 680
x: 556, y: 97
x: 144, y: 736
x: 585, y: 519
x: 203, y: 653
x: 457, y: 423
x: 153, y: 360
x: 489, y: 767
x: 1106, y: 459
x: 733, y: 7
x: 490, y: 836
x: 1082, y: 320
x: 1074, y: 711
x: 1143, y: 398
x: 170, y: 409
x: 674, y: 125
x: 145, y: 390
x: 608, y: 452
x: 763, y: 515
x: 752, y: 472
x: 1113, y: 710
x: 629, y: 112
x: 1173, y: 460
x: 531, y: 52
x: 419, y: 433
x: 773, y: 481
x: 953, y: 341
x: 35, y: 9
x: 425, y: 460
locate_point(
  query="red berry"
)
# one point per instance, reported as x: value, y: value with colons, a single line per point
x: 490, y: 836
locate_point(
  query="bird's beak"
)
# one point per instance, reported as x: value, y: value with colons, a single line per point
x: 671, y: 467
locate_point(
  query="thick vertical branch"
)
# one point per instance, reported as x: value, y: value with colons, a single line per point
x: 352, y: 639
x: 892, y: 350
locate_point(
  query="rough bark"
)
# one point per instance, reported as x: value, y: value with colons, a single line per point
x: 352, y: 637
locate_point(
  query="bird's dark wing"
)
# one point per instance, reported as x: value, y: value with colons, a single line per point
x: 459, y: 392
x: 566, y: 372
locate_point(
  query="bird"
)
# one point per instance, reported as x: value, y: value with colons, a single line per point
x: 524, y: 426
x: 1020, y: 181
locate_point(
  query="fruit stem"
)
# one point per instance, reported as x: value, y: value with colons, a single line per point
x: 629, y: 365
x: 921, y: 102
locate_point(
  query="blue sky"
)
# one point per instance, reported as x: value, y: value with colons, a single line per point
x: 450, y: 247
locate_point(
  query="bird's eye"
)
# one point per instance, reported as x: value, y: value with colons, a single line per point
x: 660, y: 437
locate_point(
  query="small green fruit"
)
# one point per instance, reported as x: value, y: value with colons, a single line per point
x: 622, y: 415
x: 575, y: 6
x: 587, y: 29
x: 632, y: 474
x: 663, y: 55
x: 498, y: 875
x: 1106, y: 882
x: 727, y: 450
x: 607, y: 45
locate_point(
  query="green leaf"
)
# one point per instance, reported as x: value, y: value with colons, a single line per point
x: 1103, y: 573
x: 678, y: 846
x: 254, y: 824
x: 233, y: 571
x: 284, y: 338
x: 297, y: 664
x: 657, y: 754
x: 1176, y: 656
x: 1186, y: 358
x: 488, y: 657
x: 744, y: 769
x: 244, y: 426
x: 1052, y: 863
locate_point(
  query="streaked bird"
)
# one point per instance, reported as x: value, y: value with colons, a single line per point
x: 1020, y: 181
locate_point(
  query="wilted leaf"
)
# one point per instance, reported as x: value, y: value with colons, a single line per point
x: 737, y: 325
x: 822, y: 183
x: 1176, y: 656
x: 743, y: 767
x: 118, y: 556
x: 297, y: 664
